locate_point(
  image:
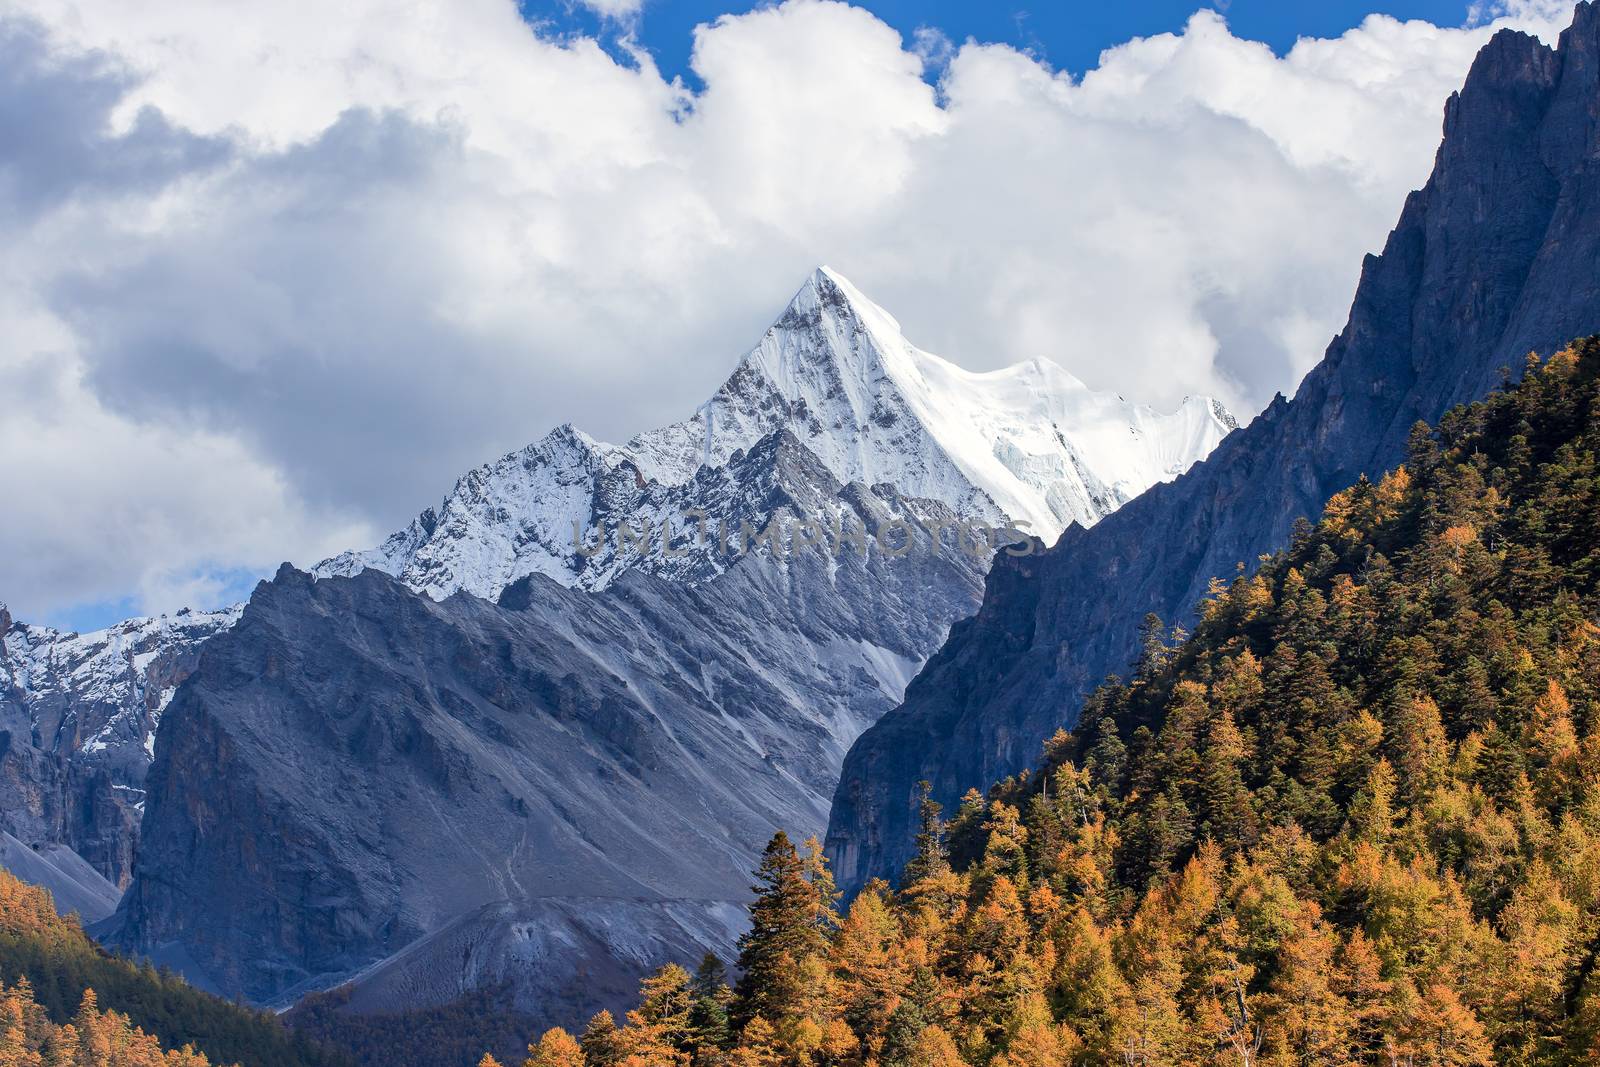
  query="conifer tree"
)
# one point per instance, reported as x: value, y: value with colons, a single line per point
x: 1421, y: 748
x: 1358, y: 978
x: 1372, y: 812
x: 918, y: 1010
x: 708, y: 1016
x: 935, y: 1048
x: 658, y: 1030
x: 556, y: 1048
x: 932, y: 857
x: 600, y: 1042
x: 1108, y: 760
x: 1225, y: 809
x: 1153, y: 649
x: 789, y: 923
x: 1005, y: 851
x: 758, y: 1046
x: 1312, y: 1023
x: 870, y: 966
x: 1444, y: 1032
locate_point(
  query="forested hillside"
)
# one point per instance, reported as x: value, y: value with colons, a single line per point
x: 30, y: 1038
x: 66, y: 1003
x: 1354, y: 818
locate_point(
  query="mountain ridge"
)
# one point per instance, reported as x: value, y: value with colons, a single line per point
x: 78, y: 712
x: 740, y: 675
x: 834, y: 370
x: 78, y: 717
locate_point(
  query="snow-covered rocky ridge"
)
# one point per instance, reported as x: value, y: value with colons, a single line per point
x: 1030, y: 443
x: 78, y: 715
x: 729, y: 674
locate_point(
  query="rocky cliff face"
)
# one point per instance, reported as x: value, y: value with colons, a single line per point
x: 560, y: 790
x: 78, y: 715
x: 1498, y: 255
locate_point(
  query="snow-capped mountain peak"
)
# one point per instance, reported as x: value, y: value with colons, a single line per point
x: 831, y: 335
x: 1032, y: 439
x: 1029, y: 442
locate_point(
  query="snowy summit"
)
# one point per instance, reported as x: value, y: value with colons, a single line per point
x: 1029, y: 443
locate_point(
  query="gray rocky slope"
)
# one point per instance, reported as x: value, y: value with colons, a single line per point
x: 1498, y: 255
x: 560, y: 790
x: 74, y: 886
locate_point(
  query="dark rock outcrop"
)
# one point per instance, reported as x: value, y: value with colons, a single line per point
x: 1498, y: 255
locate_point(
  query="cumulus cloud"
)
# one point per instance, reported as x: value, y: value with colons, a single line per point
x: 99, y: 506
x: 275, y: 273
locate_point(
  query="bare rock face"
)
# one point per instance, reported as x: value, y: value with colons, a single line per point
x: 561, y: 790
x: 74, y: 885
x: 78, y: 715
x: 1498, y: 255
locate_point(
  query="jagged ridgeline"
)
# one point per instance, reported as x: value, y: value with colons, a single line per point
x: 1353, y: 818
x: 66, y: 1003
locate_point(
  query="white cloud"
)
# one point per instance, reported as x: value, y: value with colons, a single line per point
x: 620, y: 10
x: 91, y: 499
x: 277, y: 272
x: 933, y: 46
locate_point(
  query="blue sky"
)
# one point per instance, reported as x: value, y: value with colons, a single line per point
x: 1068, y: 34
